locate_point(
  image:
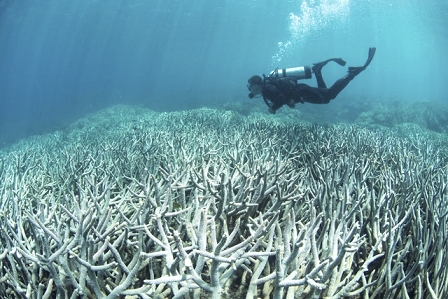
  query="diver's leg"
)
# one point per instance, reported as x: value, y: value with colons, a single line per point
x: 313, y: 95
x: 317, y: 70
x: 340, y: 84
x: 320, y: 79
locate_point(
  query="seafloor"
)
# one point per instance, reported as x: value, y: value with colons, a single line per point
x: 208, y: 203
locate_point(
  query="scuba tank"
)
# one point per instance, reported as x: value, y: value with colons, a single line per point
x: 300, y: 72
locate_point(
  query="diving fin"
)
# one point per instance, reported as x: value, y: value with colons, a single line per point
x: 318, y: 66
x: 339, y: 61
x: 356, y: 70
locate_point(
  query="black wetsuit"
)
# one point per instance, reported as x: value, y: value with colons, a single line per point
x: 286, y: 91
x: 280, y: 91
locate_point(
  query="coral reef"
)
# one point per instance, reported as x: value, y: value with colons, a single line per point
x: 392, y: 114
x: 210, y: 204
x: 428, y: 115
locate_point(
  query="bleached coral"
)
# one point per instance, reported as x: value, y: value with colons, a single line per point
x: 196, y: 203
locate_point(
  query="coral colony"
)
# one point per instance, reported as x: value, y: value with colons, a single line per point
x: 210, y: 204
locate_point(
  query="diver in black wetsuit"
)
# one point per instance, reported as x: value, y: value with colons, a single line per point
x: 277, y: 92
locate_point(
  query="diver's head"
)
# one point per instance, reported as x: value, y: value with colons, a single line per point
x: 255, y: 86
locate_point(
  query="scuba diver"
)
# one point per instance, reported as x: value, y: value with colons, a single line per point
x: 281, y: 87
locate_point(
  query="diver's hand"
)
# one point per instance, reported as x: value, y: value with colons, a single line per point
x: 272, y: 111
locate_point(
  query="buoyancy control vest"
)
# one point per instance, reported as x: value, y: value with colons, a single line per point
x: 288, y: 77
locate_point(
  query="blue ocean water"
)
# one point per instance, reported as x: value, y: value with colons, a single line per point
x: 62, y: 59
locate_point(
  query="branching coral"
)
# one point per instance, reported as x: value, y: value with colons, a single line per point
x: 193, y: 204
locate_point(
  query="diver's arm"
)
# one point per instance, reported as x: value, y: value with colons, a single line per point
x: 275, y: 96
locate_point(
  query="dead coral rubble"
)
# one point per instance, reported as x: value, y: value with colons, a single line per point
x: 204, y: 203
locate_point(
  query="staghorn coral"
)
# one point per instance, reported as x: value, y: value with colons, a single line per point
x: 208, y: 204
